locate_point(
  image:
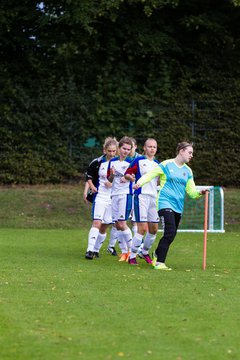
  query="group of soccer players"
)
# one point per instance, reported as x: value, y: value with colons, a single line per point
x: 125, y: 184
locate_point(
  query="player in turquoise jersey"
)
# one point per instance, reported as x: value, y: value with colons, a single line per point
x: 176, y: 179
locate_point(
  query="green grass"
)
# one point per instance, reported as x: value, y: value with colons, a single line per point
x: 43, y: 207
x: 55, y: 304
x: 61, y: 206
x: 232, y: 209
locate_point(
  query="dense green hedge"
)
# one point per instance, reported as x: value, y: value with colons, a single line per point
x: 51, y: 153
x: 79, y: 70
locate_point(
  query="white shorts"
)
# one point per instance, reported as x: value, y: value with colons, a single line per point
x: 102, y: 210
x: 121, y: 207
x: 145, y: 208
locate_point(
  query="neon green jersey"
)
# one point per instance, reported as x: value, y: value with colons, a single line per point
x: 175, y: 182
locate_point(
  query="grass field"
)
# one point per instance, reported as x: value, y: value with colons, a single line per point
x: 54, y: 304
x: 61, y: 206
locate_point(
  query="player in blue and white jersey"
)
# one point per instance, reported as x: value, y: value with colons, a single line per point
x: 145, y: 198
x: 134, y: 154
x: 100, y: 187
x: 176, y: 179
x: 121, y: 194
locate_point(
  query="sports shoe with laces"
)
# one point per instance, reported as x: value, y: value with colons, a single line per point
x: 123, y: 257
x: 89, y: 255
x: 140, y: 254
x: 154, y: 259
x: 132, y: 261
x: 112, y: 250
x: 96, y: 254
x: 161, y: 266
x: 147, y: 258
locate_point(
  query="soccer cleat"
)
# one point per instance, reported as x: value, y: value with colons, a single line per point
x: 123, y: 257
x: 154, y: 259
x: 96, y: 254
x: 128, y: 254
x: 132, y: 261
x: 147, y: 258
x: 161, y: 266
x: 89, y: 255
x: 112, y: 251
x: 140, y: 254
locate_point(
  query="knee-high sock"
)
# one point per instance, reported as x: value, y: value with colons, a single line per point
x: 127, y: 237
x: 121, y: 243
x: 136, y: 243
x: 134, y: 229
x: 113, y: 237
x: 99, y: 242
x: 148, y: 241
x: 92, y: 237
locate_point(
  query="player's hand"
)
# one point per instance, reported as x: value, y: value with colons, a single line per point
x: 112, y: 171
x: 93, y: 189
x: 123, y: 180
x: 85, y: 199
x: 130, y: 177
x: 108, y: 184
x: 136, y: 186
x: 202, y: 192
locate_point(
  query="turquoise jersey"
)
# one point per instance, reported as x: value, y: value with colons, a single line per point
x: 175, y: 182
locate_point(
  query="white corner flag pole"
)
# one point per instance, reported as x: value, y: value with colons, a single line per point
x: 205, y: 230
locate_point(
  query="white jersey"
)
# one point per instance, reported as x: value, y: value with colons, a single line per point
x: 118, y: 187
x: 140, y: 166
x: 103, y: 190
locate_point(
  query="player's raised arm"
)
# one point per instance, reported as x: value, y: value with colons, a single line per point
x: 148, y: 177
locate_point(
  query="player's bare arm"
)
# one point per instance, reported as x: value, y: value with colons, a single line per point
x: 92, y: 187
x: 112, y: 174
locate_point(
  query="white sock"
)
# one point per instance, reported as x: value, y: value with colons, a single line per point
x: 121, y: 243
x: 134, y: 229
x: 148, y: 241
x: 99, y: 242
x: 127, y: 237
x: 113, y: 237
x: 136, y: 243
x: 92, y: 237
x: 140, y: 248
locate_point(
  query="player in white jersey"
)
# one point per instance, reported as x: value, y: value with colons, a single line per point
x: 134, y: 154
x: 121, y: 194
x: 88, y: 199
x: 100, y: 187
x: 145, y: 198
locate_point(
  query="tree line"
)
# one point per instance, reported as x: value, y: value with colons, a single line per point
x: 74, y: 70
